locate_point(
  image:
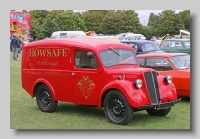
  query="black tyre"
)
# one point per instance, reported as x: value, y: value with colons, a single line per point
x: 156, y: 112
x: 117, y: 108
x: 44, y: 99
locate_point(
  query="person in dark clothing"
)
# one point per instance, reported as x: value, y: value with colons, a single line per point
x: 20, y: 43
x: 15, y: 44
x: 20, y: 47
x: 11, y: 49
x: 31, y: 39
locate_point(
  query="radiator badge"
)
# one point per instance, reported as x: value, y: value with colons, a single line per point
x: 86, y: 86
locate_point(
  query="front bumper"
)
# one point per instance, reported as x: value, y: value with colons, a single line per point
x: 160, y: 106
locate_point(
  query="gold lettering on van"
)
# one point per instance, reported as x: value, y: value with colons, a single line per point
x: 42, y: 52
x: 48, y: 52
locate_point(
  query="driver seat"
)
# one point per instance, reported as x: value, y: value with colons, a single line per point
x: 85, y: 61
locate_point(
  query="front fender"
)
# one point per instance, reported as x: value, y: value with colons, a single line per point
x: 41, y: 80
x: 135, y: 97
x: 167, y: 91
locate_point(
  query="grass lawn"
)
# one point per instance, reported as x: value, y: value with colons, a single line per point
x: 24, y: 113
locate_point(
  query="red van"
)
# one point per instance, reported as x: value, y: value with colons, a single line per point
x: 90, y: 71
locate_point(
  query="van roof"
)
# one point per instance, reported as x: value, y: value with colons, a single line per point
x: 83, y: 42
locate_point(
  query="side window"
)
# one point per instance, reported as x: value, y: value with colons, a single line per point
x: 175, y: 44
x: 85, y: 59
x: 178, y: 45
x: 134, y: 46
x: 158, y: 64
x: 141, y: 61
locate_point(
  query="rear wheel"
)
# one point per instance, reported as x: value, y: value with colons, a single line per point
x: 156, y: 112
x: 117, y: 108
x: 44, y: 99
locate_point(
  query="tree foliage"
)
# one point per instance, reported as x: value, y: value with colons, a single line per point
x: 54, y: 13
x: 70, y: 21
x: 131, y: 21
x: 152, y: 18
x: 45, y: 22
x: 185, y: 16
x: 93, y: 19
x: 111, y: 24
x: 48, y: 27
x: 169, y: 22
x: 39, y: 15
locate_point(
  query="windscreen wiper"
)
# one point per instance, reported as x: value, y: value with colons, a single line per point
x: 114, y: 51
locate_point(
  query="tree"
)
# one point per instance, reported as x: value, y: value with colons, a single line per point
x: 167, y: 23
x: 39, y: 15
x: 111, y: 24
x: 93, y: 19
x: 48, y: 27
x: 147, y: 31
x: 37, y: 18
x: 185, y: 16
x: 36, y: 30
x: 54, y: 13
x: 152, y: 18
x: 70, y: 21
x: 131, y: 21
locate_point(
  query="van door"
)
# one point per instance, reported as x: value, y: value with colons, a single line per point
x: 86, y: 78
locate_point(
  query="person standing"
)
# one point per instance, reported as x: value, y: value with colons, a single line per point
x: 31, y: 39
x: 15, y: 44
x: 20, y: 46
x: 20, y: 43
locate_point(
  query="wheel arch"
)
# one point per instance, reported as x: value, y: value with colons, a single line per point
x: 115, y: 85
x: 45, y: 82
x: 135, y: 97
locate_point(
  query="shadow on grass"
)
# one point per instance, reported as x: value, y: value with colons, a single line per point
x: 90, y: 111
x: 141, y: 118
x: 79, y: 110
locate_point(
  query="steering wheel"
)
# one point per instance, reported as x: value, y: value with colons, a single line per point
x: 108, y: 63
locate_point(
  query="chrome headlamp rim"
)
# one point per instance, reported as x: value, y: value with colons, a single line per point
x: 168, y: 79
x: 138, y: 83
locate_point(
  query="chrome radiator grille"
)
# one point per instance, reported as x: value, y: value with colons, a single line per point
x: 152, y: 86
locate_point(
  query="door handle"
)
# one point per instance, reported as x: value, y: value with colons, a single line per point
x: 73, y: 74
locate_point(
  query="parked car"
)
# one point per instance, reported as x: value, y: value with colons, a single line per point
x: 134, y: 37
x: 175, y: 64
x: 175, y: 45
x: 89, y: 71
x: 143, y: 46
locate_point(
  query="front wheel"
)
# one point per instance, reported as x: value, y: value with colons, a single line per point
x: 117, y: 108
x: 156, y: 112
x: 44, y: 99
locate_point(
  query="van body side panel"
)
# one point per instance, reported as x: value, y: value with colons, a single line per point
x: 52, y: 64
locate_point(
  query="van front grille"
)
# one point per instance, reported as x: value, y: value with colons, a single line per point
x: 152, y: 86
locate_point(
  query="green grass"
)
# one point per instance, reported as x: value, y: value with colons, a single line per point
x: 24, y: 113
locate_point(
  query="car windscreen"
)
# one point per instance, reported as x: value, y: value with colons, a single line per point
x: 113, y: 57
x: 152, y: 46
x: 181, y: 61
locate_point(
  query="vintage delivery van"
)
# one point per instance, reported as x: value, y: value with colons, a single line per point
x: 93, y: 72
